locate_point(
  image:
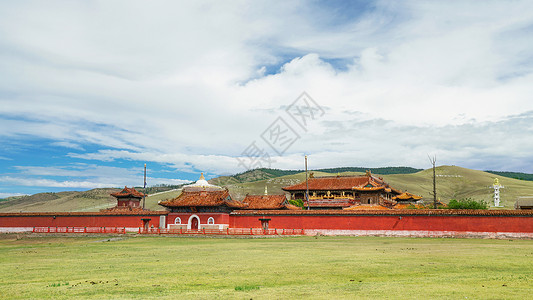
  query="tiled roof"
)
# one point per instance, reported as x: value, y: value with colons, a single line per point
x: 203, y: 198
x: 407, y: 196
x: 366, y: 207
x: 368, y: 189
x: 365, y: 183
x: 265, y: 201
x: 128, y: 192
x: 330, y: 183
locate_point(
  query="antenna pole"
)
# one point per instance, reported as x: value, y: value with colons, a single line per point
x: 144, y: 189
x: 306, y: 184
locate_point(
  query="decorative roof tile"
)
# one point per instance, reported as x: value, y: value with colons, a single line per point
x: 407, y: 196
x: 330, y: 183
x: 265, y: 201
x: 203, y: 198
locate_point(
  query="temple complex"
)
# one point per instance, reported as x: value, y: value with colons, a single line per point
x: 340, y: 192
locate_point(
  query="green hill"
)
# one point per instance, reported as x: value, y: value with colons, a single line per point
x: 92, y: 200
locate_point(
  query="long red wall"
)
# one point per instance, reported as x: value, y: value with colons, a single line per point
x: 73, y: 220
x: 415, y: 223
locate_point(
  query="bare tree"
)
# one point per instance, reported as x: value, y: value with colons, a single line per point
x: 433, y: 160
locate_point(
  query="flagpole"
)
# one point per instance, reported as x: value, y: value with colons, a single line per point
x: 306, y: 184
x: 144, y: 190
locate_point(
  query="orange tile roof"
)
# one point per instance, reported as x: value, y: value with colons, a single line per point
x: 358, y: 183
x: 265, y: 201
x: 366, y: 207
x: 203, y: 198
x: 368, y: 189
x: 407, y: 196
x: 329, y: 183
x: 128, y: 192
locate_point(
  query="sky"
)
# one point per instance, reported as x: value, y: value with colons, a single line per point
x: 90, y: 91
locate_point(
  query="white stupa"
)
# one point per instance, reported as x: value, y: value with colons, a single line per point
x: 497, y: 186
x: 201, y: 185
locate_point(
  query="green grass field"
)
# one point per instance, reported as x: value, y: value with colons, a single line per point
x: 263, y: 268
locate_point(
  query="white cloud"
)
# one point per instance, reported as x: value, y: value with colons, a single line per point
x: 6, y: 195
x: 185, y: 84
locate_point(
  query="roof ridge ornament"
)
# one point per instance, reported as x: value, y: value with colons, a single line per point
x: 202, y: 176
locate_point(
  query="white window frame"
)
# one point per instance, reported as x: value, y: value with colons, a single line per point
x: 211, y: 221
x: 177, y: 221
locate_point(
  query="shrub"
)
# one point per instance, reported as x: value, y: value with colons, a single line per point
x: 467, y: 203
x: 297, y: 202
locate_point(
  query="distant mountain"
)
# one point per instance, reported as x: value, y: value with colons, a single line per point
x: 515, y: 175
x: 266, y: 173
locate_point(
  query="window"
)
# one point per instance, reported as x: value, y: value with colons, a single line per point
x: 177, y: 220
x: 210, y: 221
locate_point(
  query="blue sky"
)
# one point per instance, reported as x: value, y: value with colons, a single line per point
x: 91, y: 91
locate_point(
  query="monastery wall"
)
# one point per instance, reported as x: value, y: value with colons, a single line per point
x: 19, y: 222
x: 393, y: 223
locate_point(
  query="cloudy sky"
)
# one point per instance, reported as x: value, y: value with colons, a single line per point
x: 92, y: 90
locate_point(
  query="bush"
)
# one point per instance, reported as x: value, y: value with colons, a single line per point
x: 467, y: 203
x: 297, y: 202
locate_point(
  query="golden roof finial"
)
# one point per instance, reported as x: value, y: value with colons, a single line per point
x: 266, y: 190
x: 368, y: 173
x: 202, y: 176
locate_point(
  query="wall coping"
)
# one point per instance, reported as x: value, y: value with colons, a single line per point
x: 391, y: 212
x: 84, y: 214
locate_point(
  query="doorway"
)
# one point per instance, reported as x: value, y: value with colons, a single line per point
x: 194, y: 222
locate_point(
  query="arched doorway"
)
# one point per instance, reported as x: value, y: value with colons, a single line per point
x: 194, y: 222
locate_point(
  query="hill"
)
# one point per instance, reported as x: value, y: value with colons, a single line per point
x: 265, y: 173
x: 515, y: 175
x: 92, y: 200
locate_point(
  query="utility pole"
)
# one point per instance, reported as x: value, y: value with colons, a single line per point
x: 306, y: 184
x: 144, y: 189
x: 433, y: 160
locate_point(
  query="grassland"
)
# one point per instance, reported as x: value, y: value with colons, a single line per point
x: 264, y: 268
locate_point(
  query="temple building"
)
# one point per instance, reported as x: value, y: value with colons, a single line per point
x: 266, y: 201
x: 202, y: 196
x: 127, y: 199
x: 340, y: 192
x: 201, y: 205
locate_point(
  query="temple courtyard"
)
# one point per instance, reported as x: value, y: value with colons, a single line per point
x: 128, y: 266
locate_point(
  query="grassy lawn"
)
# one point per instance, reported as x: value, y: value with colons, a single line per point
x: 264, y: 268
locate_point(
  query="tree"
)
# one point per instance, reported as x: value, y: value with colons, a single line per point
x: 433, y: 160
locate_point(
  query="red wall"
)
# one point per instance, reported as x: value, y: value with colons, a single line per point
x: 429, y: 223
x: 78, y: 221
